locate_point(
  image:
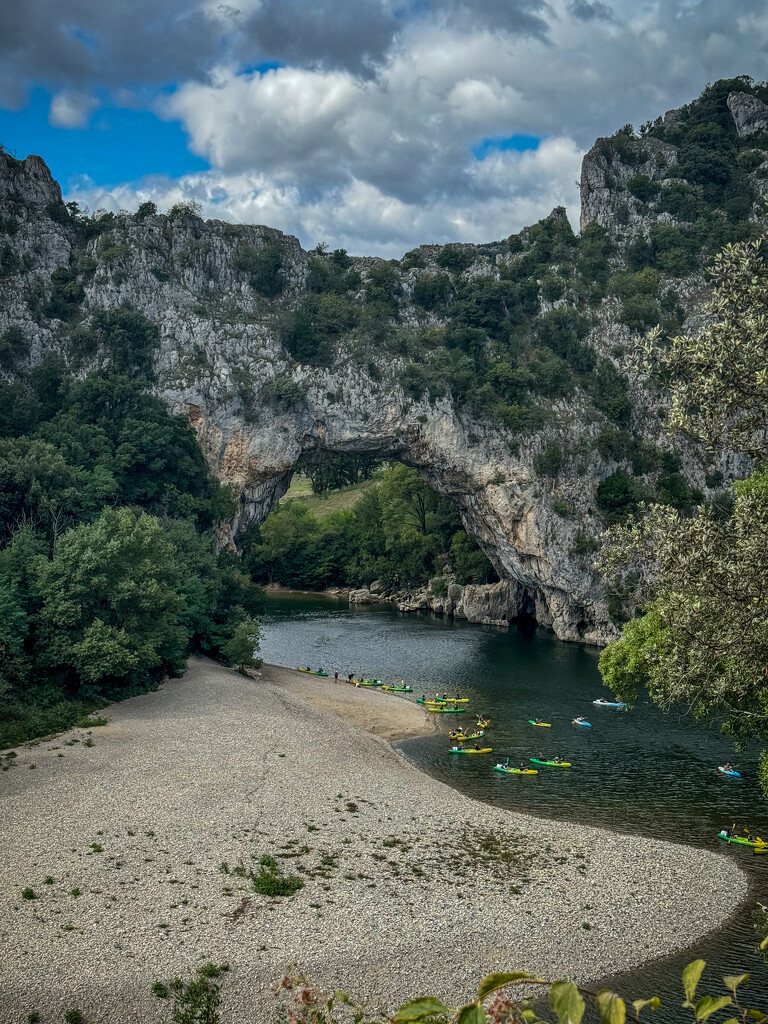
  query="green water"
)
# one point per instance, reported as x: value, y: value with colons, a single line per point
x: 639, y: 772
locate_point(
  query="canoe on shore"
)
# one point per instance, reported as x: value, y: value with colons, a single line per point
x: 311, y: 672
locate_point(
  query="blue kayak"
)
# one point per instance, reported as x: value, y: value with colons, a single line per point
x: 726, y: 771
x: 610, y: 703
x: 586, y: 725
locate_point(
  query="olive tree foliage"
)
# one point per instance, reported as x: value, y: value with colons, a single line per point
x: 702, y: 582
x: 717, y: 379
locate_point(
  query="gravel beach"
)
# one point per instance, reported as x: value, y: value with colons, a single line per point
x: 147, y: 826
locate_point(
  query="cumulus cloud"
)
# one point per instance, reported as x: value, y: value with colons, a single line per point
x: 361, y: 131
x: 71, y: 109
x: 509, y: 190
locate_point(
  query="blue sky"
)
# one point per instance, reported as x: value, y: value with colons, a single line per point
x: 117, y: 145
x: 369, y: 124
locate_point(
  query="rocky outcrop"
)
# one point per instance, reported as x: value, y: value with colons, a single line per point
x: 750, y: 115
x: 606, y: 171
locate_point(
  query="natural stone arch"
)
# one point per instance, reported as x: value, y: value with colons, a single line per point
x: 502, y: 502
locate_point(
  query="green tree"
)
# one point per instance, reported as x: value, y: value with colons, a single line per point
x: 241, y: 648
x: 702, y: 581
x: 113, y: 604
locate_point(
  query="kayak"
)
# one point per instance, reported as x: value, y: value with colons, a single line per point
x: 447, y: 711
x: 726, y: 771
x: 398, y: 689
x: 741, y: 842
x: 372, y: 682
x: 483, y: 723
x: 462, y: 737
x: 610, y: 703
x: 515, y: 771
x: 470, y: 750
x: 550, y: 764
x: 544, y: 725
x: 587, y: 725
x: 310, y: 672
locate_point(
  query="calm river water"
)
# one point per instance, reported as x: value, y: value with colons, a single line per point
x: 639, y: 772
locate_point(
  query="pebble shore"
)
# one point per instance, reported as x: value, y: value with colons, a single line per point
x: 147, y: 826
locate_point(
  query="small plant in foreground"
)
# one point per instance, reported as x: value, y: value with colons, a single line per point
x: 48, y: 880
x: 270, y: 882
x: 307, y: 1004
x: 74, y: 1017
x: 33, y: 1017
x: 196, y: 1001
x: 28, y: 894
x: 75, y: 892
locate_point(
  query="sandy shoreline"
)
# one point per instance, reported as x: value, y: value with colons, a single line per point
x: 215, y: 769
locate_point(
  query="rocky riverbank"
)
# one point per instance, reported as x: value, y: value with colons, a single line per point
x: 136, y: 840
x: 487, y: 604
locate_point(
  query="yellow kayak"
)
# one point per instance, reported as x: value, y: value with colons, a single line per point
x: 470, y: 750
x: 543, y: 725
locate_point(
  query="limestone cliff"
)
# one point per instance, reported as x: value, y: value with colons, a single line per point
x: 224, y: 363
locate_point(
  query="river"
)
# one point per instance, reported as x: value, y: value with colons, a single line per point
x: 637, y: 772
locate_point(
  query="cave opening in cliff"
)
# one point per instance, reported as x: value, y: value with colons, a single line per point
x: 365, y: 520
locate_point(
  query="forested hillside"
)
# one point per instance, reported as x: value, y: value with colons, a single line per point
x: 108, y: 574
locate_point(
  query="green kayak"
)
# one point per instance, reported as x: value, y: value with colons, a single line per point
x: 741, y: 841
x: 550, y: 764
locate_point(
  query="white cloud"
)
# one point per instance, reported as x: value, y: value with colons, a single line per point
x: 71, y: 109
x: 365, y: 138
x: 511, y: 190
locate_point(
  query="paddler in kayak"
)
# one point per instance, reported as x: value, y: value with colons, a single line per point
x: 580, y: 718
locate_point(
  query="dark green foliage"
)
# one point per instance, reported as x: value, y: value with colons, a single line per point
x: 196, y: 1001
x: 455, y: 258
x: 611, y: 393
x: 147, y: 209
x: 639, y: 312
x: 619, y: 495
x: 563, y: 330
x: 67, y: 295
x: 121, y: 340
x: 643, y: 188
x: 335, y: 471
x: 549, y: 462
x: 332, y: 273
x: 315, y: 325
x: 432, y: 291
x: 263, y: 267
x: 583, y: 544
x: 14, y: 347
x: 74, y: 1017
x: 9, y: 261
x: 672, y: 488
x: 383, y: 289
x: 58, y: 212
x: 283, y: 392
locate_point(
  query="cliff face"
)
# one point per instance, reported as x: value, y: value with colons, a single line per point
x: 223, y: 363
